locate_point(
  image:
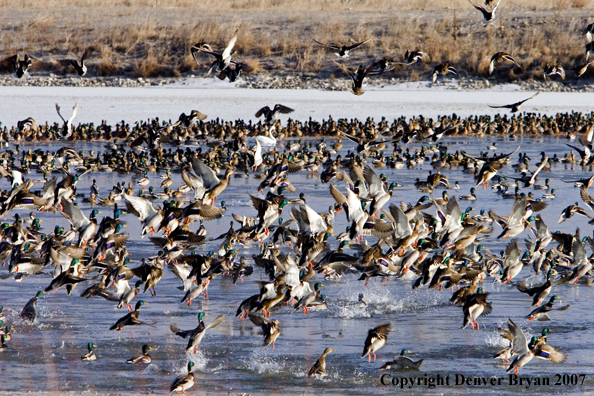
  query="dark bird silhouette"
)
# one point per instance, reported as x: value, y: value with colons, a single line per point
x: 515, y: 106
x: 81, y: 68
x: 271, y: 114
x: 343, y: 50
x: 357, y: 76
x: 488, y: 15
x: 500, y: 57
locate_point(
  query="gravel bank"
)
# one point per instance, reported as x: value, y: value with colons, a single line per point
x: 301, y: 81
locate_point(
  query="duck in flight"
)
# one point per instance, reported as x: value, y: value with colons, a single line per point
x: 357, y: 76
x: 515, y: 106
x: 488, y: 15
x: 500, y: 57
x: 343, y: 50
x: 81, y: 68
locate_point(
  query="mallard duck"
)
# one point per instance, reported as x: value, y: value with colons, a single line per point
x: 544, y: 351
x: 195, y: 335
x: 519, y: 346
x: 308, y: 299
x: 146, y: 213
x: 28, y: 312
x: 500, y: 57
x: 487, y: 15
x: 402, y: 362
x: 319, y: 367
x: 90, y: 356
x: 539, y: 293
x: 471, y: 197
x: 2, y: 317
x: 270, y: 328
x: 3, y: 345
x: 130, y: 319
x: 515, y: 106
x: 545, y: 186
x: 222, y: 60
x: 569, y: 211
x: 476, y: 305
x: 195, y: 292
x: 183, y: 382
x: 357, y: 76
x: 144, y: 358
x: 550, y: 195
x: 541, y: 313
x: 81, y: 68
x: 342, y: 51
x: 270, y: 115
x: 198, y: 211
x: 144, y: 181
x: 376, y: 338
x: 128, y: 295
x: 443, y: 69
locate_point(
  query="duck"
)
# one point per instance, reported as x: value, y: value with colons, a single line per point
x: 130, y: 319
x: 471, y: 197
x: 402, y: 362
x: 19, y: 67
x: 319, y: 367
x: 357, y: 76
x: 81, y: 68
x: 146, y: 213
x: 183, y: 382
x: 343, y: 51
x: 545, y: 186
x: 376, y: 338
x: 476, y: 305
x: 443, y: 69
x: 144, y: 358
x: 270, y: 115
x: 270, y: 328
x: 519, y: 347
x: 487, y: 15
x: 222, y: 60
x: 500, y: 57
x: 144, y: 181
x: 195, y: 335
x: 29, y: 313
x: 541, y: 313
x: 308, y: 299
x: 196, y: 292
x: 90, y: 356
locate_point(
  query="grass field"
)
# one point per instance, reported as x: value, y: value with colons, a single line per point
x: 151, y: 38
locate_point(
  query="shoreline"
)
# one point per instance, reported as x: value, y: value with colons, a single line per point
x: 297, y: 81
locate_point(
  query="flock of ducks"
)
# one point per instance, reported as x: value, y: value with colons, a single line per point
x: 227, y: 68
x: 433, y: 243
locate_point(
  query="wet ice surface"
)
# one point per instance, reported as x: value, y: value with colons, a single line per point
x: 217, y: 99
x: 45, y: 356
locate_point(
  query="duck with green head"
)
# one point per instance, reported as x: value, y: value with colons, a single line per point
x: 541, y: 313
x: 90, y: 356
x: 144, y: 358
x: 183, y: 382
x: 131, y: 319
x: 195, y: 336
x: 28, y: 312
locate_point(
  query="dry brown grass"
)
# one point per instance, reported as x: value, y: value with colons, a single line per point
x: 153, y: 37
